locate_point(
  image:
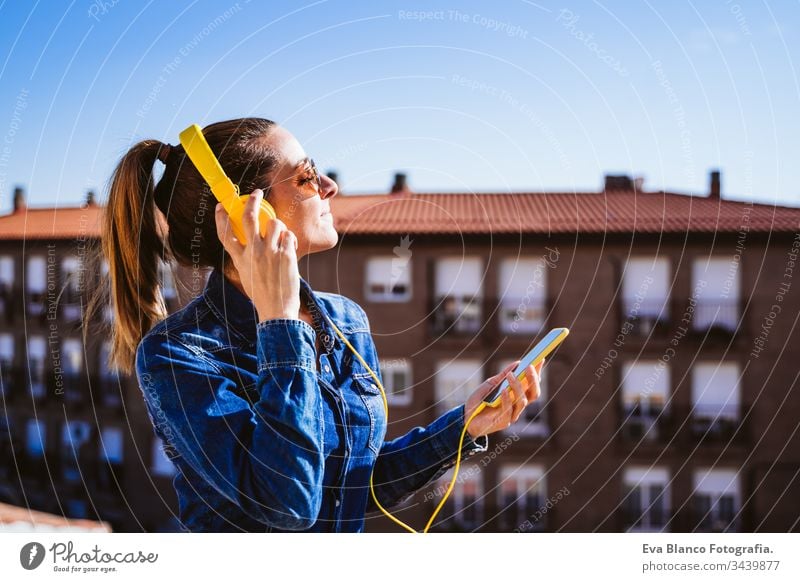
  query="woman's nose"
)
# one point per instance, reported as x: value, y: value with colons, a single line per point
x: 329, y: 187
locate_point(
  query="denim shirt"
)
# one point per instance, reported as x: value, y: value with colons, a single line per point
x: 266, y: 434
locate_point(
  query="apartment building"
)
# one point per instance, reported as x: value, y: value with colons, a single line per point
x: 668, y: 408
x: 670, y: 405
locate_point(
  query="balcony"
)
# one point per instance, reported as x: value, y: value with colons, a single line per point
x: 70, y: 305
x: 684, y: 426
x: 714, y: 516
x: 459, y: 316
x: 717, y: 425
x: 646, y: 426
x: 637, y: 519
x: 107, y: 391
x: 526, y: 514
x: 718, y: 317
x: 520, y: 315
x: 10, y: 379
x: 6, y: 304
x: 646, y: 318
x: 36, y: 307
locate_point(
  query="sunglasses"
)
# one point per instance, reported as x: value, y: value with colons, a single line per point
x: 315, y: 177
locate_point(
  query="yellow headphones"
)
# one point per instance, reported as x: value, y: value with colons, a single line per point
x: 199, y: 152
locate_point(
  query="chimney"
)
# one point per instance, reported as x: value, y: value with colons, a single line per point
x: 400, y: 184
x: 714, y: 189
x: 618, y: 182
x: 90, y: 198
x: 19, y: 199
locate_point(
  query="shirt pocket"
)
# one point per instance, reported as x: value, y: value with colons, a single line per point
x: 371, y: 396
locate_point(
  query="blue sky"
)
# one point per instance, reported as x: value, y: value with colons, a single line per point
x: 466, y: 96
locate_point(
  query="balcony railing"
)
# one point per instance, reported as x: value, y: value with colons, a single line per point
x: 647, y: 426
x: 646, y: 317
x: 527, y: 515
x: 722, y: 516
x: 716, y: 315
x: 456, y: 315
x: 685, y: 426
x: 652, y: 518
x: 718, y: 424
x: 523, y: 315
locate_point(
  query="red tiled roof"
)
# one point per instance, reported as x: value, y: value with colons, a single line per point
x: 554, y: 212
x: 480, y: 213
x: 51, y: 223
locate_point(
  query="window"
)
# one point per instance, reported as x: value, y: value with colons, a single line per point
x: 111, y: 445
x: 72, y: 281
x: 455, y: 381
x: 533, y: 420
x: 523, y: 290
x: 716, y: 499
x: 75, y: 434
x: 36, y: 369
x: 396, y: 376
x: 5, y: 448
x: 645, y: 391
x: 76, y: 508
x: 716, y: 293
x: 6, y: 272
x: 388, y: 278
x: 645, y: 293
x: 521, y: 497
x: 465, y: 504
x: 35, y: 438
x: 109, y: 379
x: 715, y: 399
x: 36, y: 283
x: 110, y: 453
x: 6, y: 362
x: 161, y: 465
x: 72, y: 364
x: 458, y: 295
x: 646, y: 499
x: 6, y: 285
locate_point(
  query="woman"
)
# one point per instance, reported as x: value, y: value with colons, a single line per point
x: 271, y: 422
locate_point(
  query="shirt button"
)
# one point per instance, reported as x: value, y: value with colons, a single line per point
x: 337, y: 503
x: 327, y: 368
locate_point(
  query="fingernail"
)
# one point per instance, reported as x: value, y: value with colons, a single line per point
x: 218, y: 207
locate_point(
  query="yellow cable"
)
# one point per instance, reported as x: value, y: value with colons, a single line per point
x: 386, y: 412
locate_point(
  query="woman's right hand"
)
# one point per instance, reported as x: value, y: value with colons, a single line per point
x: 267, y: 265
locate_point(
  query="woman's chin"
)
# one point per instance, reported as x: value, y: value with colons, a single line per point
x: 325, y: 240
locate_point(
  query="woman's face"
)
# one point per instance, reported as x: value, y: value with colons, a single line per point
x: 296, y: 198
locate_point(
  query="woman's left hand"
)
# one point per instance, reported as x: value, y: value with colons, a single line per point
x: 512, y: 402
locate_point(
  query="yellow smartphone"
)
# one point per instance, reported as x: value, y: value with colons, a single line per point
x: 539, y: 352
x: 225, y: 191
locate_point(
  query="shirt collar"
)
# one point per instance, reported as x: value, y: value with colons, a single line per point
x: 239, y: 313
